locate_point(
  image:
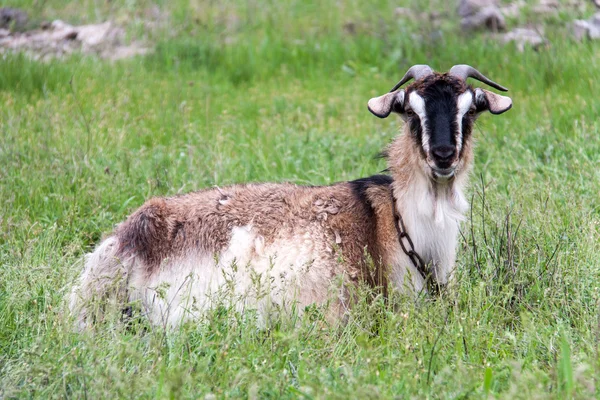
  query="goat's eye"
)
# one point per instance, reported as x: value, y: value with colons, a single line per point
x: 472, y: 112
x: 409, y: 113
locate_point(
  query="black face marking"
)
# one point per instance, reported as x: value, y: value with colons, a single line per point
x: 417, y: 131
x: 469, y: 119
x: 441, y: 110
x: 480, y: 103
x: 398, y: 107
x: 440, y: 95
x: 467, y: 126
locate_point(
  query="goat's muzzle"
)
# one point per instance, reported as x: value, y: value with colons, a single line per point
x: 443, y: 155
x: 444, y: 162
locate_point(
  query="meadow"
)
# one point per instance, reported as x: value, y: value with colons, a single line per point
x: 240, y: 91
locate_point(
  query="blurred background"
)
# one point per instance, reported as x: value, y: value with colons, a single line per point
x: 278, y: 34
x: 250, y: 40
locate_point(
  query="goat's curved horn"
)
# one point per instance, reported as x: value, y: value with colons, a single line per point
x: 464, y: 71
x: 415, y: 72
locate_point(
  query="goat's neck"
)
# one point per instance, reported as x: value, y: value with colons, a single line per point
x: 431, y: 211
x: 416, y: 193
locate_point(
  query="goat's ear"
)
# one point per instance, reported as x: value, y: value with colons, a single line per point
x: 495, y: 103
x: 382, y: 106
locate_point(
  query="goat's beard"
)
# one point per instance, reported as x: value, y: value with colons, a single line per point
x: 440, y: 176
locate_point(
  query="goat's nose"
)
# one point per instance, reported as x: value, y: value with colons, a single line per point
x: 443, y: 153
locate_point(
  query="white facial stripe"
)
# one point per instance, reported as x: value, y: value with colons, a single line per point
x: 417, y: 103
x: 463, y: 104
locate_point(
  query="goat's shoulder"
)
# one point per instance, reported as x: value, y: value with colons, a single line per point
x: 373, y: 191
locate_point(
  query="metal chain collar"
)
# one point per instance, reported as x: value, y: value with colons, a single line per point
x: 409, y: 248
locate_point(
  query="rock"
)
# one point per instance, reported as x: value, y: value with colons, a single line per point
x: 523, y: 37
x: 13, y: 18
x: 543, y: 7
x: 489, y: 18
x: 121, y: 52
x: 546, y: 7
x: 100, y: 35
x: 512, y: 9
x: 589, y: 29
x: 580, y: 29
x: 471, y: 7
x: 57, y: 39
x: 480, y: 14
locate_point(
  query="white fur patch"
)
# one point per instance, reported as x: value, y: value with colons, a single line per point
x: 246, y: 274
x: 102, y: 270
x: 433, y: 222
x: 417, y: 103
x: 241, y: 244
x: 463, y: 104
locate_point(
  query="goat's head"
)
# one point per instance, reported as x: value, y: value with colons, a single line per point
x: 439, y: 110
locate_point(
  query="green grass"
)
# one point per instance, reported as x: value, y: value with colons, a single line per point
x: 277, y: 91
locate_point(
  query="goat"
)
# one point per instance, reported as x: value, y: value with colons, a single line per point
x: 175, y: 254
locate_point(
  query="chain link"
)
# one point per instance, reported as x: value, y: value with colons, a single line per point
x: 408, y: 247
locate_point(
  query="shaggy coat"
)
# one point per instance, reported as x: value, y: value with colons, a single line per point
x: 275, y: 247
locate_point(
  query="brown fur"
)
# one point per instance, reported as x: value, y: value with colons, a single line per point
x: 458, y: 85
x: 168, y: 227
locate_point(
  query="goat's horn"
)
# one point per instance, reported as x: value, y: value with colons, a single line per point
x: 464, y: 71
x: 415, y: 72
